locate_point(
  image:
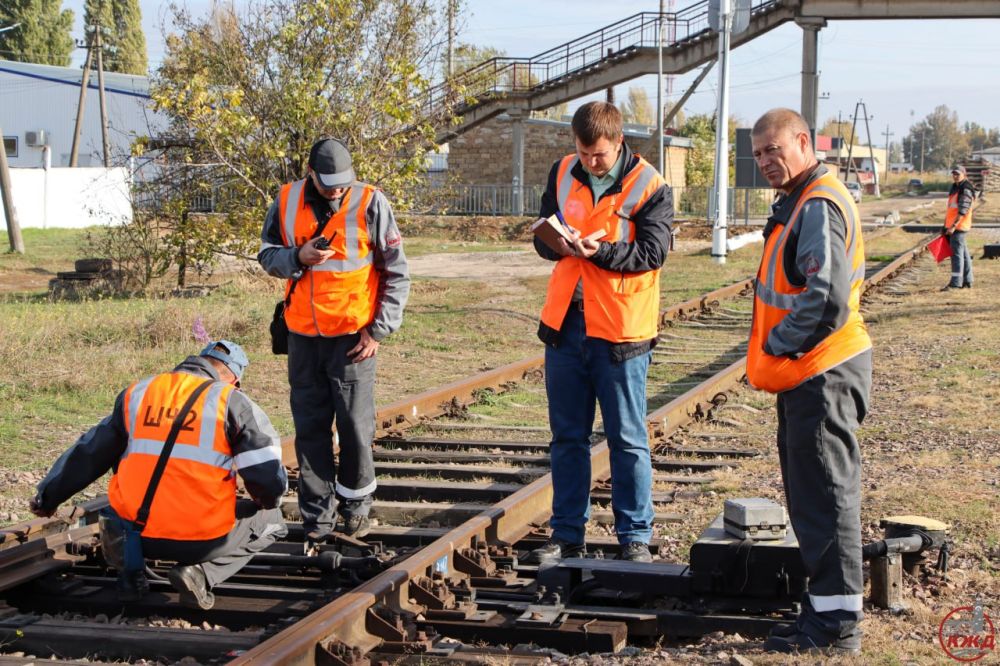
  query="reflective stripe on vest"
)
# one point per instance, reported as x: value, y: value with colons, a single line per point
x: 774, y: 298
x: 199, y: 479
x: 951, y: 216
x: 623, y: 307
x: 337, y: 296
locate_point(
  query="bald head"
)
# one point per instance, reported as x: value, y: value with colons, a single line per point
x: 782, y: 148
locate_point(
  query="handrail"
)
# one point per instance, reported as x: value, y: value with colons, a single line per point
x: 501, y: 76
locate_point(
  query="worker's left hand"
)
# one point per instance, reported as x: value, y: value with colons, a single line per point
x: 366, y: 348
x: 36, y: 508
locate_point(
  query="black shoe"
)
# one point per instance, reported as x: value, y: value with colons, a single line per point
x: 556, y: 549
x: 802, y: 643
x: 784, y: 630
x: 635, y: 551
x: 131, y: 587
x: 356, y: 526
x: 966, y: 286
x: 948, y: 287
x: 190, y: 581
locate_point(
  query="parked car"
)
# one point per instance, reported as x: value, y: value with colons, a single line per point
x: 914, y: 185
x: 855, y: 190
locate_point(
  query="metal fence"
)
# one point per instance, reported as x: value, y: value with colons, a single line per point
x: 744, y: 203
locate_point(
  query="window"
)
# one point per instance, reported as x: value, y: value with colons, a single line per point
x: 10, y: 146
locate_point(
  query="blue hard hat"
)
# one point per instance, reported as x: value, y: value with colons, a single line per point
x: 230, y: 353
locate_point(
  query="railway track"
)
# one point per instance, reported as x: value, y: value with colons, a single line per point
x: 462, y: 497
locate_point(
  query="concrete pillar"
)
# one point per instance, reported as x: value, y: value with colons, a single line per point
x: 810, y: 69
x: 517, y: 158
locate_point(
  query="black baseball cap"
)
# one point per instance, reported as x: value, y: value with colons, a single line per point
x: 331, y: 161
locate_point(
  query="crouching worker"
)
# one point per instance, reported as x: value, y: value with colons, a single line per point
x: 175, y: 442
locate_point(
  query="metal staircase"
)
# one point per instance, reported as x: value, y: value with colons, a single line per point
x: 613, y: 54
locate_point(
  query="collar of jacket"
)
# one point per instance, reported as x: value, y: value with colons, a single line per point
x: 783, y: 207
x: 198, y: 365
x: 318, y: 201
x: 629, y: 162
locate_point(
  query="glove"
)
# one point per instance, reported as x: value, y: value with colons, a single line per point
x: 35, y: 506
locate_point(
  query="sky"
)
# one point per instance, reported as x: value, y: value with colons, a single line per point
x: 901, y: 70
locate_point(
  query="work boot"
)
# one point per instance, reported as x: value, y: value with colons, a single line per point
x: 190, y: 581
x: 556, y: 549
x: 356, y: 526
x: 131, y: 586
x: 802, y: 643
x: 635, y: 551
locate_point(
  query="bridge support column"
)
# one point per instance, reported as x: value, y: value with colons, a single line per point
x: 517, y: 161
x: 810, y: 70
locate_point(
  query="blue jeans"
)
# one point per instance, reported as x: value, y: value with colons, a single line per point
x: 579, y: 373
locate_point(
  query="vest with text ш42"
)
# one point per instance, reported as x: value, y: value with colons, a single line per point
x: 196, y: 497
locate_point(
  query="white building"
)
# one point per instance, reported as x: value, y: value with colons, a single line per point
x: 991, y: 155
x: 38, y: 106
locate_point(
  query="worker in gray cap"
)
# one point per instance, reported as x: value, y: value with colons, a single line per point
x: 175, y: 442
x: 957, y: 222
x: 336, y: 242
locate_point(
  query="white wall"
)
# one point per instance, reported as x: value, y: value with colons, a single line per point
x: 70, y: 198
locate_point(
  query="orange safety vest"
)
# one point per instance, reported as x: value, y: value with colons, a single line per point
x: 618, y: 307
x: 775, y: 297
x: 951, y: 216
x: 337, y: 296
x: 196, y: 498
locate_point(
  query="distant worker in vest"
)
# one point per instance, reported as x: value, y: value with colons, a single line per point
x: 336, y: 242
x: 194, y: 516
x: 599, y: 326
x: 957, y: 222
x: 808, y: 344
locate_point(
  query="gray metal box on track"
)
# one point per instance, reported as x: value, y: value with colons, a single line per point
x: 755, y: 518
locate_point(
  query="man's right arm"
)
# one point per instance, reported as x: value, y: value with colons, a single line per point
x: 97, y: 451
x: 277, y: 259
x: 549, y: 207
x: 256, y: 450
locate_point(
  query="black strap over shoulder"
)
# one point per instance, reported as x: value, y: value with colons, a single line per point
x: 143, y: 514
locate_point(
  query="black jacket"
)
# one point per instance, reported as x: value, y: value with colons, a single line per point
x: 647, y: 252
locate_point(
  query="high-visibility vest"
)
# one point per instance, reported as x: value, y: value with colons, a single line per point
x: 951, y: 216
x: 618, y: 307
x: 196, y: 497
x: 775, y: 297
x: 337, y: 296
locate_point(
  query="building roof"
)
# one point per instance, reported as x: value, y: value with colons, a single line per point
x: 995, y: 150
x: 114, y: 82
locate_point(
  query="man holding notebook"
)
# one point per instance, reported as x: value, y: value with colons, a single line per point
x: 599, y: 325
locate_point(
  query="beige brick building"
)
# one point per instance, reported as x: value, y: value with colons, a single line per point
x: 484, y: 155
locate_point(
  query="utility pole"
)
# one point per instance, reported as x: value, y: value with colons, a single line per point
x: 887, y: 134
x: 722, y: 138
x: 100, y: 94
x: 13, y: 228
x: 871, y: 150
x: 610, y: 92
x: 82, y: 103
x: 451, y: 38
x: 659, y: 88
x: 923, y: 134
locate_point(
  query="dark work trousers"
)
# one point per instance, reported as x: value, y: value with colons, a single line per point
x: 821, y: 472
x: 961, y: 261
x: 326, y: 387
x: 221, y: 558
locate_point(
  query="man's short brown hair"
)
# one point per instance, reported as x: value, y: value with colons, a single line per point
x: 781, y: 118
x: 597, y: 120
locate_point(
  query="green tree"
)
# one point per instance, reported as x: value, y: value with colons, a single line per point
x: 123, y: 39
x: 979, y: 137
x: 843, y: 129
x: 637, y: 108
x: 248, y: 95
x: 940, y: 138
x: 700, y: 165
x: 42, y: 32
